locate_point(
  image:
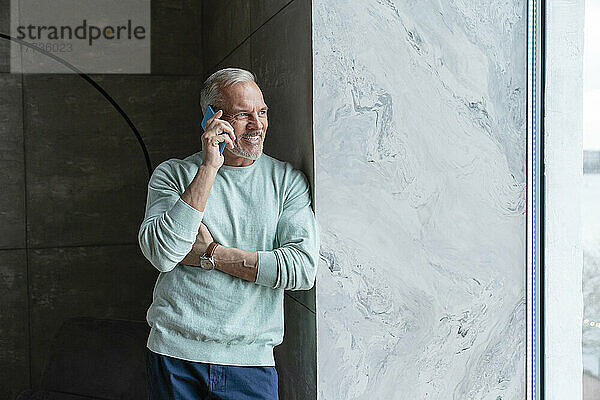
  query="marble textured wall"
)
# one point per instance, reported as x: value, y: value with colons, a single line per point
x: 420, y: 129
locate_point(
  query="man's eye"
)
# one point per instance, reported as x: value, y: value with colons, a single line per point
x: 263, y: 112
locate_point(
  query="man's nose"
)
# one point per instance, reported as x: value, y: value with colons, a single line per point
x: 255, y: 121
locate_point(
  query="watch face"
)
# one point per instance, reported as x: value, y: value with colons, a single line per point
x: 206, y: 264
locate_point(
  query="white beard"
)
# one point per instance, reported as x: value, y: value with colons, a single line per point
x: 240, y: 152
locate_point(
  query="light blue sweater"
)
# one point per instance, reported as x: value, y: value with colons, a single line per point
x: 208, y: 315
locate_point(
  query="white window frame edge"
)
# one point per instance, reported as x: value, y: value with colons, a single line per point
x: 532, y: 366
x: 554, y: 183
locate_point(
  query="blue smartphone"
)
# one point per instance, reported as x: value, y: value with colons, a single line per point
x: 207, y: 115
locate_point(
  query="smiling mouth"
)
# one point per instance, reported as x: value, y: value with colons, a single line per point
x: 252, y: 139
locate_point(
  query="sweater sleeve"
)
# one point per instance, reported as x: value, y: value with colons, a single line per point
x: 292, y: 265
x: 170, y: 225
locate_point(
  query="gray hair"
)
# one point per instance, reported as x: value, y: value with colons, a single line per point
x: 211, y: 92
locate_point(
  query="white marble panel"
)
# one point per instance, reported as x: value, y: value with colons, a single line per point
x: 420, y: 129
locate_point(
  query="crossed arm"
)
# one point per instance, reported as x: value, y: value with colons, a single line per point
x: 231, y: 260
x: 172, y: 232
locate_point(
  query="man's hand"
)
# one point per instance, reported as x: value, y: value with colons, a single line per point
x: 203, y: 239
x: 212, y: 137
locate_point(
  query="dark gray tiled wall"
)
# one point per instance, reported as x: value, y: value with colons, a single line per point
x: 296, y: 357
x: 14, y: 328
x: 4, y: 28
x: 229, y: 24
x: 12, y: 175
x: 240, y: 58
x: 113, y: 282
x: 226, y: 25
x: 262, y: 11
x: 86, y: 172
x: 14, y: 320
x: 175, y: 34
x: 87, y: 182
x: 74, y: 182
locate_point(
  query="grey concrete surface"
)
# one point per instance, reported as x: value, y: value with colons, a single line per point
x: 226, y: 25
x: 14, y: 329
x: 296, y: 357
x: 240, y: 58
x: 114, y: 282
x: 176, y: 30
x: 12, y: 176
x: 230, y: 24
x: 261, y: 11
x: 4, y: 28
x: 86, y: 172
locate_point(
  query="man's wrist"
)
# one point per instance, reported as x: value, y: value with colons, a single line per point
x: 218, y: 253
x: 236, y: 262
x: 207, y: 260
x: 196, y: 193
x: 208, y: 168
x: 210, y: 249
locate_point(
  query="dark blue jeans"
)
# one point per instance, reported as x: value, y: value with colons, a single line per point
x: 171, y: 378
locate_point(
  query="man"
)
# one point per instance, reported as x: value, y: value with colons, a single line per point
x: 248, y: 214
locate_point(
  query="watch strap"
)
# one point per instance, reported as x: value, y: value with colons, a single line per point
x: 210, y: 250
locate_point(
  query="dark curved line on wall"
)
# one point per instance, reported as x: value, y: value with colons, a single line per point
x: 96, y: 86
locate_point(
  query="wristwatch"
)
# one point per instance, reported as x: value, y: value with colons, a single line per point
x: 206, y: 260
